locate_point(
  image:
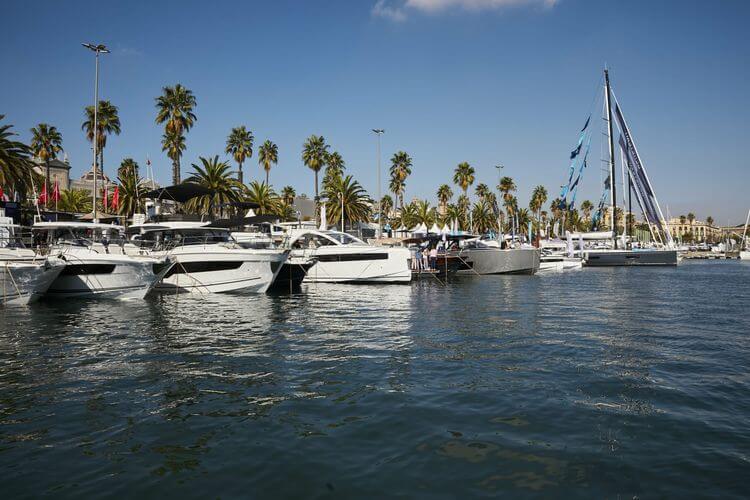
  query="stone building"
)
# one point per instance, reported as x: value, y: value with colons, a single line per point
x: 697, y: 231
x: 59, y: 171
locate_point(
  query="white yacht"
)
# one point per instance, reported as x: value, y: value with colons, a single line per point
x: 557, y: 255
x: 487, y: 257
x: 206, y: 259
x: 342, y: 258
x: 24, y: 275
x: 95, y: 265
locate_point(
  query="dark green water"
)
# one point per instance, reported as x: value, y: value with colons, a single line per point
x: 603, y: 383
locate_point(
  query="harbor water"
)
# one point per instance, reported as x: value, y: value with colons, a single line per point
x: 606, y: 383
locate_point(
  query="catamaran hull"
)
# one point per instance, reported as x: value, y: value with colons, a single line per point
x: 500, y: 261
x: 615, y: 258
x: 290, y: 277
x: 22, y: 283
x: 221, y: 272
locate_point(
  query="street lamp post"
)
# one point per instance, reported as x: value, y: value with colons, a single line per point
x: 97, y: 49
x: 379, y: 132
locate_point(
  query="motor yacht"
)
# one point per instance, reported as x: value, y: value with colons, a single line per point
x: 488, y: 257
x: 206, y: 259
x: 96, y: 265
x: 342, y: 258
x: 24, y: 275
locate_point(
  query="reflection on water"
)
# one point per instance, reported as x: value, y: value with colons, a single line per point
x: 602, y: 382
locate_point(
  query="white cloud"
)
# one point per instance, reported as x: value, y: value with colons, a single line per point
x: 382, y: 9
x: 397, y: 10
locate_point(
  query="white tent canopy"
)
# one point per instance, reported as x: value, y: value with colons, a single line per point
x: 422, y: 229
x: 435, y: 229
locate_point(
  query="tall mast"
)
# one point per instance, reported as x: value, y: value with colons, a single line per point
x: 612, y: 184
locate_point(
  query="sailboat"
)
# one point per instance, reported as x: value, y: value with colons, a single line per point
x: 744, y: 246
x: 621, y: 253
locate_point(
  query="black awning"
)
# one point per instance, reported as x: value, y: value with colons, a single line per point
x: 242, y: 205
x: 179, y: 192
x: 245, y: 221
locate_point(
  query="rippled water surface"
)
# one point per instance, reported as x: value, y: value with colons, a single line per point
x: 601, y: 383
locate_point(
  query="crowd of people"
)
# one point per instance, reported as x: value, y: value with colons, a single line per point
x: 424, y: 257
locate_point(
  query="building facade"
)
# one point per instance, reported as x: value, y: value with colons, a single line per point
x: 697, y: 231
x: 59, y: 171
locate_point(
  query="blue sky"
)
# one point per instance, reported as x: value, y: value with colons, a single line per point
x: 483, y: 81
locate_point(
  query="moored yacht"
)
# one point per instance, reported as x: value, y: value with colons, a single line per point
x: 24, y: 275
x: 206, y: 259
x: 91, y: 269
x: 487, y: 257
x: 341, y: 258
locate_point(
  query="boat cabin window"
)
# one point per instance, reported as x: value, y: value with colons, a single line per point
x: 169, y: 238
x: 76, y: 236
x: 13, y: 237
x: 312, y: 241
x: 345, y: 239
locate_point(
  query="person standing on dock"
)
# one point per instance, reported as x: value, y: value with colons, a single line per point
x: 433, y: 258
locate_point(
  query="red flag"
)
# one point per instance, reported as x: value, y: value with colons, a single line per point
x: 1, y: 193
x: 43, y: 196
x: 56, y: 192
x: 115, y: 198
x: 105, y: 197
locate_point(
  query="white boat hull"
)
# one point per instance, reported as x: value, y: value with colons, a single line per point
x: 560, y: 264
x: 22, y: 283
x: 91, y: 274
x: 217, y: 269
x: 500, y: 261
x: 355, y: 264
x: 745, y: 255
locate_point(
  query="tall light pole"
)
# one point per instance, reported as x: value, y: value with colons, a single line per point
x: 97, y: 49
x: 379, y: 132
x: 499, y: 170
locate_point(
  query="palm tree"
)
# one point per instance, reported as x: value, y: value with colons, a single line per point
x: 131, y: 189
x: 401, y: 164
x: 463, y: 205
x: 586, y: 208
x: 538, y: 199
x: 425, y: 214
x: 523, y: 219
x: 46, y: 142
x: 75, y: 201
x: 314, y: 155
x: 407, y: 217
x: 216, y: 177
x: 16, y: 168
x: 452, y: 213
x: 240, y: 146
x: 175, y: 109
x: 349, y: 193
x: 268, y: 154
x: 386, y: 206
x: 506, y: 187
x: 288, y: 194
x: 482, y: 190
x: 108, y: 122
x: 483, y: 217
x: 691, y: 219
x: 464, y: 176
x: 265, y: 197
x: 128, y: 166
x: 444, y: 195
x: 710, y: 221
x: 335, y: 167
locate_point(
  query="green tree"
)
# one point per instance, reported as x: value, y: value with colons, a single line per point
x: 452, y: 213
x: 349, y: 193
x: 400, y: 170
x: 267, y: 200
x: 587, y: 207
x: 463, y: 176
x: 287, y: 195
x: 16, y: 169
x: 131, y: 189
x: 175, y: 110
x: 425, y: 214
x: 386, y: 206
x: 46, y: 142
x: 128, y: 166
x: 268, y: 155
x: 217, y: 178
x: 240, y: 146
x: 483, y: 217
x: 464, y: 205
x: 335, y: 167
x: 538, y: 199
x: 482, y: 191
x: 407, y: 217
x: 314, y: 155
x: 75, y: 201
x: 108, y: 123
x: 444, y: 195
